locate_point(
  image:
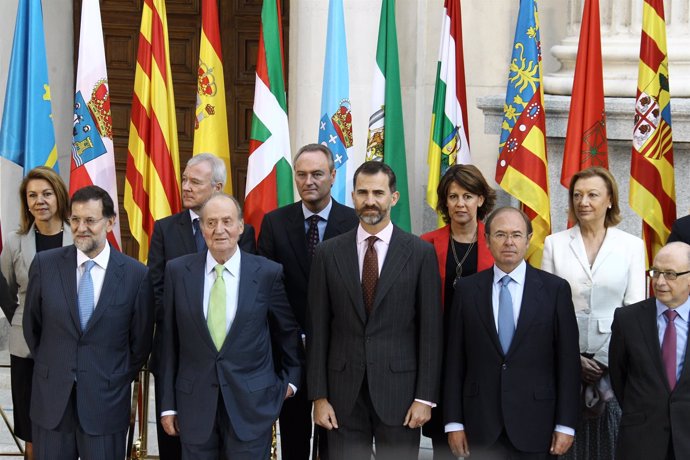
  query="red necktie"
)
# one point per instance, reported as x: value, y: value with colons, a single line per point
x: 370, y: 274
x: 668, y: 347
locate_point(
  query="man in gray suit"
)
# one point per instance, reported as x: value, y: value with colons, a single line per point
x: 88, y: 322
x: 374, y: 334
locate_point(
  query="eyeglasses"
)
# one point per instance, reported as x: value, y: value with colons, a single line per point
x: 502, y: 237
x: 668, y: 275
x: 89, y: 221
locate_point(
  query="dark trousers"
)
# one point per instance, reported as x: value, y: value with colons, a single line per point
x: 296, y: 427
x: 69, y: 442
x: 503, y: 449
x: 224, y: 444
x: 353, y: 439
x: 169, y: 447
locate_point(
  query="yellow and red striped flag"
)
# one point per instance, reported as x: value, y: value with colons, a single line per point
x: 152, y: 189
x: 652, y: 187
x: 522, y: 168
x: 211, y: 123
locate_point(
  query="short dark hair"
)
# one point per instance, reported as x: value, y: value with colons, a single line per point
x: 316, y: 148
x: 373, y: 167
x: 613, y: 214
x: 468, y: 177
x: 501, y: 210
x: 95, y: 193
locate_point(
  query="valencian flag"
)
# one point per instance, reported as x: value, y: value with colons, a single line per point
x: 335, y: 126
x: 211, y: 123
x: 449, y: 138
x: 522, y: 168
x: 152, y: 189
x: 585, y: 141
x: 93, y: 157
x: 27, y: 137
x: 269, y: 170
x: 386, y: 140
x: 652, y: 188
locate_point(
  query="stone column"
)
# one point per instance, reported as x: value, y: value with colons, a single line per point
x: 621, y: 26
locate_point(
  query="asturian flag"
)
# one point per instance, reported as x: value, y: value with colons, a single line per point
x: 335, y: 126
x: 93, y: 157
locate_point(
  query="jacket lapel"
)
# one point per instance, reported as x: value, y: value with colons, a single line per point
x: 248, y: 289
x: 348, y: 268
x: 68, y: 277
x: 27, y: 245
x: 530, y: 302
x: 577, y: 246
x: 111, y: 284
x: 396, y: 258
x: 650, y: 334
x: 194, y: 288
x: 185, y: 232
x: 297, y: 237
x: 484, y: 305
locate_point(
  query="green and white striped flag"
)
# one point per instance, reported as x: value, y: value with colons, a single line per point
x: 386, y: 140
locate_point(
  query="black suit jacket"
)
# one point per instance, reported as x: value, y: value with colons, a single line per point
x: 173, y: 236
x: 283, y: 239
x: 653, y: 415
x: 530, y: 390
x: 680, y: 230
x: 194, y: 373
x: 398, y: 347
x: 103, y: 359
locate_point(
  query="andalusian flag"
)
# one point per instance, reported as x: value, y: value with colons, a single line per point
x: 585, y: 141
x: 93, y: 157
x: 27, y: 137
x: 269, y: 169
x: 152, y: 189
x: 386, y: 140
x: 335, y: 126
x: 449, y: 138
x: 522, y: 168
x: 652, y: 187
x: 211, y: 124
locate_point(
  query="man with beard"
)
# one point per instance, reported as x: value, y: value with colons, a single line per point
x: 88, y: 322
x: 374, y: 329
x: 289, y: 236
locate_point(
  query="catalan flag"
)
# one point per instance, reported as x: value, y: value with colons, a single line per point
x: 449, y: 138
x: 269, y: 169
x: 652, y: 187
x: 93, y: 156
x: 27, y: 137
x: 152, y: 189
x: 585, y: 141
x: 211, y: 123
x: 386, y: 140
x: 522, y: 168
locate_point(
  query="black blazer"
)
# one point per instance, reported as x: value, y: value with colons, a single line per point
x: 173, y: 236
x: 530, y: 390
x: 680, y: 230
x: 653, y: 415
x: 283, y: 239
x: 398, y: 347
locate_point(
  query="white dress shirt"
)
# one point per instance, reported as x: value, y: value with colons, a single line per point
x: 97, y: 271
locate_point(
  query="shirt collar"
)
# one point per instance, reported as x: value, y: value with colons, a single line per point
x: 232, y: 264
x: 384, y: 235
x: 324, y: 213
x: 683, y: 310
x: 193, y: 215
x: 517, y: 275
x: 101, y: 259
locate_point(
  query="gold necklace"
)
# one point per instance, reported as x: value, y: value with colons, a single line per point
x: 458, y: 263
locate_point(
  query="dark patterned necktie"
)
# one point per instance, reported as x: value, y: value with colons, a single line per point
x: 370, y: 274
x: 668, y: 347
x: 313, y: 233
x: 198, y: 237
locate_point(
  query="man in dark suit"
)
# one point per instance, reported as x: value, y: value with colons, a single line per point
x: 178, y: 235
x: 374, y: 329
x: 88, y: 322
x: 680, y: 230
x: 224, y: 308
x: 512, y: 363
x: 648, y: 363
x: 289, y: 236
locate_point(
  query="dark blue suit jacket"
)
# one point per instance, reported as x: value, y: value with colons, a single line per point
x: 105, y: 358
x: 194, y: 373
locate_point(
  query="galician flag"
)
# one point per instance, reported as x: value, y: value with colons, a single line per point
x: 27, y: 137
x: 93, y: 157
x: 211, y: 123
x: 449, y: 138
x: 335, y: 126
x: 386, y: 140
x: 269, y: 169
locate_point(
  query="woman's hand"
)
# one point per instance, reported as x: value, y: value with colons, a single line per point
x: 591, y: 370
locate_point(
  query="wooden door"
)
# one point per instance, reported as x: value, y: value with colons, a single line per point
x: 239, y: 26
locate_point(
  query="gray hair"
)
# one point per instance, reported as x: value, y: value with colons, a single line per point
x: 221, y: 195
x: 218, y: 173
x: 316, y: 148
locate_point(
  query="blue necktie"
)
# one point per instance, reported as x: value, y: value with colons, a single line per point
x: 198, y: 237
x: 85, y: 294
x: 506, y: 324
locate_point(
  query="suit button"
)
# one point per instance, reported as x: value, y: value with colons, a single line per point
x: 504, y: 366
